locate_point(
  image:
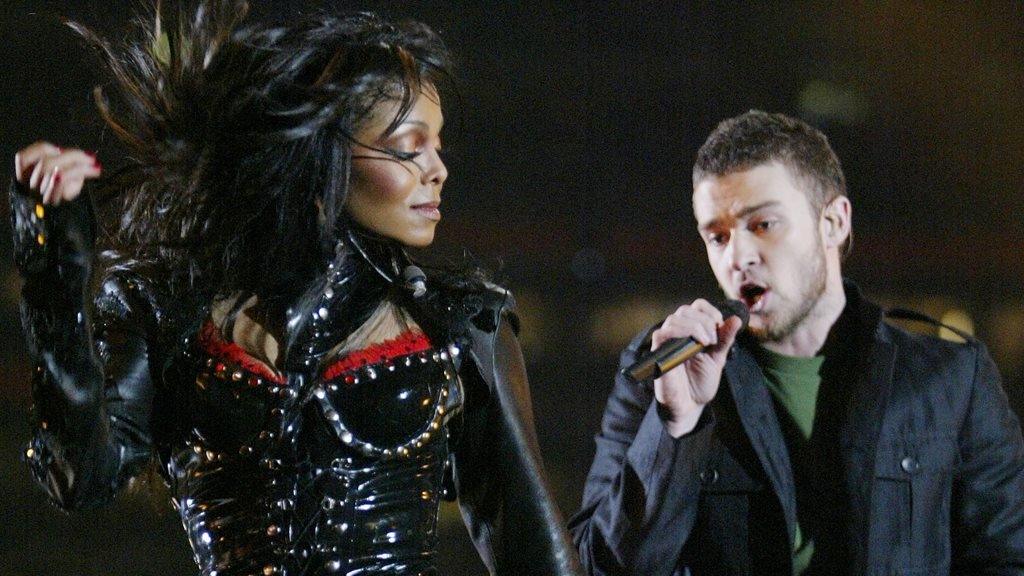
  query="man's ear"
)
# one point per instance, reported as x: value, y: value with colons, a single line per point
x: 836, y: 221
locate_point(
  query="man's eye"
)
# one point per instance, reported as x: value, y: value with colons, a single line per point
x: 765, y: 225
x: 717, y: 239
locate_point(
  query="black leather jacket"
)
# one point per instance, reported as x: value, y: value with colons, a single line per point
x: 282, y: 474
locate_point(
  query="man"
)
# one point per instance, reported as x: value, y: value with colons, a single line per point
x: 821, y: 440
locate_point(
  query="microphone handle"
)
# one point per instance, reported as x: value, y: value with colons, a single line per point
x: 669, y: 355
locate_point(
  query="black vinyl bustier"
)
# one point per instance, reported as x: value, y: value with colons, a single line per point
x: 335, y: 464
x: 331, y: 467
x: 341, y: 476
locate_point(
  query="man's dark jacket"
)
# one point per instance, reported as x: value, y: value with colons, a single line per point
x: 930, y: 469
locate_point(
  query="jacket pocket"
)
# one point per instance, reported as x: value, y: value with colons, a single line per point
x: 911, y: 502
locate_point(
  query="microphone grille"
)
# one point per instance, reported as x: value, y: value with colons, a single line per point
x: 735, y: 308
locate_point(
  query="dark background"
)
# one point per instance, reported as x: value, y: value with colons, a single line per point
x: 572, y: 148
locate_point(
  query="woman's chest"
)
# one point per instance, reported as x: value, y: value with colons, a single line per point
x: 384, y: 400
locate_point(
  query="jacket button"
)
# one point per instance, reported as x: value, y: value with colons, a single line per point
x: 910, y: 465
x: 708, y: 477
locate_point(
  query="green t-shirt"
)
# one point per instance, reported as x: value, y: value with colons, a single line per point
x: 794, y: 383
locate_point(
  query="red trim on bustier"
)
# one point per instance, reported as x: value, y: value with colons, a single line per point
x: 409, y: 342
x: 215, y: 345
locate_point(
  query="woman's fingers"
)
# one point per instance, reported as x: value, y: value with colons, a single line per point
x: 69, y: 182
x: 28, y: 158
x: 57, y: 174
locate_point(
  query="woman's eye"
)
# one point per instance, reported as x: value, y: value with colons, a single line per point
x: 404, y: 148
x: 402, y: 154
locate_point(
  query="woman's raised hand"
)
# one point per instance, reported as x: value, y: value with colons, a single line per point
x: 57, y: 174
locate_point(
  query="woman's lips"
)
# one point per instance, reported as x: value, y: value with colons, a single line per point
x: 429, y: 211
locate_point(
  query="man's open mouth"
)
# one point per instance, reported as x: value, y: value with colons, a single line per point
x: 752, y: 295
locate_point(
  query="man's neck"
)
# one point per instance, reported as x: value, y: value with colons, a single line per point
x: 809, y: 337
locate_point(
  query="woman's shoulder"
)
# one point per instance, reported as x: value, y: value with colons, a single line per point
x: 475, y: 298
x: 127, y: 286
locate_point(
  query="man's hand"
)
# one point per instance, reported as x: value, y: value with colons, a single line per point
x: 684, y: 391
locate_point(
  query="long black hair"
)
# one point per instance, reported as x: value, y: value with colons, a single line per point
x: 240, y: 138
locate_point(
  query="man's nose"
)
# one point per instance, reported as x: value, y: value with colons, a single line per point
x: 742, y: 251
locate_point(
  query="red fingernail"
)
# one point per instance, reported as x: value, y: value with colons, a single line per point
x: 56, y: 178
x: 90, y: 154
x: 96, y: 164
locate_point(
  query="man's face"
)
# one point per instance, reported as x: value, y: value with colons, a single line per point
x: 764, y: 245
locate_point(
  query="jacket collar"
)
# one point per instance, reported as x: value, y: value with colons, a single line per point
x: 862, y: 422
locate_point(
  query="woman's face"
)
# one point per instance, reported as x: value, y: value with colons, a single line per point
x: 397, y: 178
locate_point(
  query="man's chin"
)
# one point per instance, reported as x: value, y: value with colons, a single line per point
x: 757, y: 328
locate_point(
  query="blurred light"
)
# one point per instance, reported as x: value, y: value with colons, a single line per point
x: 956, y: 318
x: 1006, y: 342
x: 535, y: 324
x: 830, y: 102
x: 588, y: 265
x: 614, y: 325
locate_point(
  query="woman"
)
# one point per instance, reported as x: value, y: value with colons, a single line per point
x: 258, y: 330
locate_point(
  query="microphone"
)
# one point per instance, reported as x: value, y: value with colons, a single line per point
x: 678, y: 350
x: 415, y: 280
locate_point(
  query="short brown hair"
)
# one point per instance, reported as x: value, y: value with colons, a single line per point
x: 757, y: 137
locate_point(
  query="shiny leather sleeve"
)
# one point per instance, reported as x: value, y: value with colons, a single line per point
x: 505, y: 500
x: 640, y: 499
x: 91, y: 385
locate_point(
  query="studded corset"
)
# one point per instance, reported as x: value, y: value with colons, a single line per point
x: 330, y: 466
x: 340, y: 475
